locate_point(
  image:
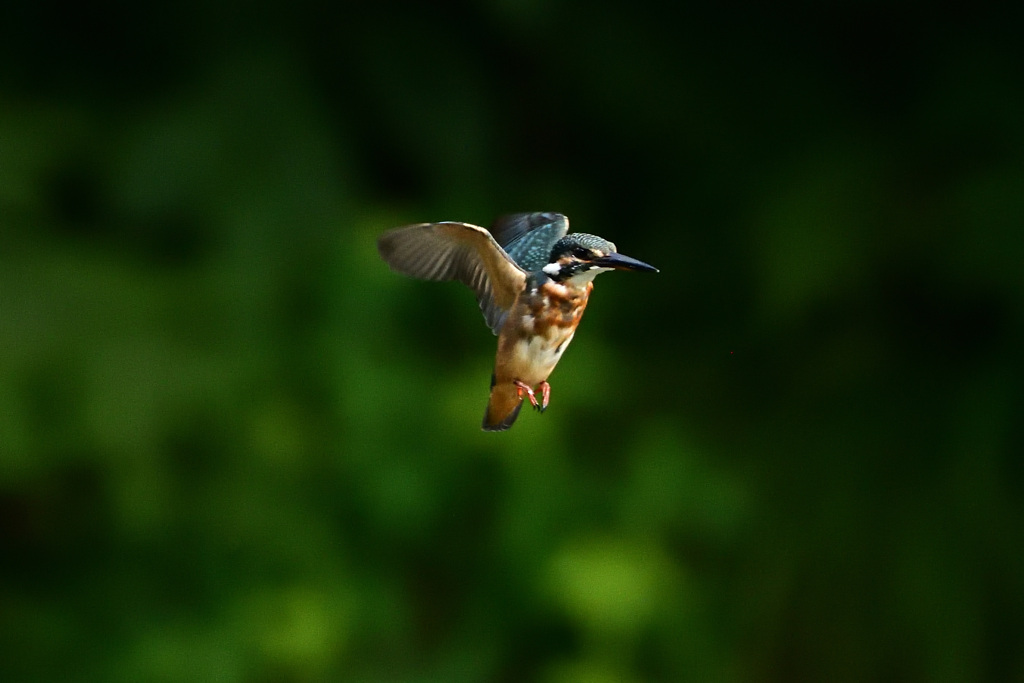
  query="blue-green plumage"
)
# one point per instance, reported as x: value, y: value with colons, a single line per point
x: 528, y: 237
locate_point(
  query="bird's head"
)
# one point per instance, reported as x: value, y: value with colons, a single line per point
x: 579, y: 257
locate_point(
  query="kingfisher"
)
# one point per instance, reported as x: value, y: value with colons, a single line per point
x: 532, y: 280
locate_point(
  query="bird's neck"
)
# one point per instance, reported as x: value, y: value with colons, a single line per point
x: 572, y: 273
x: 584, y: 278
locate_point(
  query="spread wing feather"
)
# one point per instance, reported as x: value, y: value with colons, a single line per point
x: 457, y: 251
x: 528, y: 237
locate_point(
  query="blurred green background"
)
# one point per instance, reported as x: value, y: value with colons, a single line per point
x: 235, y: 447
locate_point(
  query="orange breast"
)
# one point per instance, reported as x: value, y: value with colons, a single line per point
x: 538, y: 332
x: 560, y: 307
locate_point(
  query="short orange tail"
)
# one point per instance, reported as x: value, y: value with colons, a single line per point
x: 503, y: 408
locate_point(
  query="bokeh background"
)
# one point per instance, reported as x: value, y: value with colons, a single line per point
x: 235, y: 447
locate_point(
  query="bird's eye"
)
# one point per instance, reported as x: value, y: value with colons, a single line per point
x: 581, y: 253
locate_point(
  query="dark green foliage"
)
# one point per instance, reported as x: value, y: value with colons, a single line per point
x: 234, y: 446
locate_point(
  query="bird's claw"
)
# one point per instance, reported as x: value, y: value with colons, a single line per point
x: 545, y: 388
x: 524, y: 388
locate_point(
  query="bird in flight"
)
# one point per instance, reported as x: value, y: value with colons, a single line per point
x: 532, y: 280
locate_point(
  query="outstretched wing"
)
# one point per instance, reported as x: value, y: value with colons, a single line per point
x: 457, y: 251
x: 528, y: 237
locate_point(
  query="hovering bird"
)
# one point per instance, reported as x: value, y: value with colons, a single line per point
x: 532, y: 281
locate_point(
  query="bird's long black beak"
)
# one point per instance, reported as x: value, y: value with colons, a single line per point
x: 623, y: 262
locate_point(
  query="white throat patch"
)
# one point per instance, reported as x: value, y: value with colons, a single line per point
x: 552, y: 269
x: 586, y: 276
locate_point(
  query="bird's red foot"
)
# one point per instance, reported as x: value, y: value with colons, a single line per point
x: 524, y: 388
x: 545, y: 394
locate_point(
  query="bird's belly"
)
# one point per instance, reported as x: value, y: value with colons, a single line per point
x: 534, y: 357
x: 537, y: 331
